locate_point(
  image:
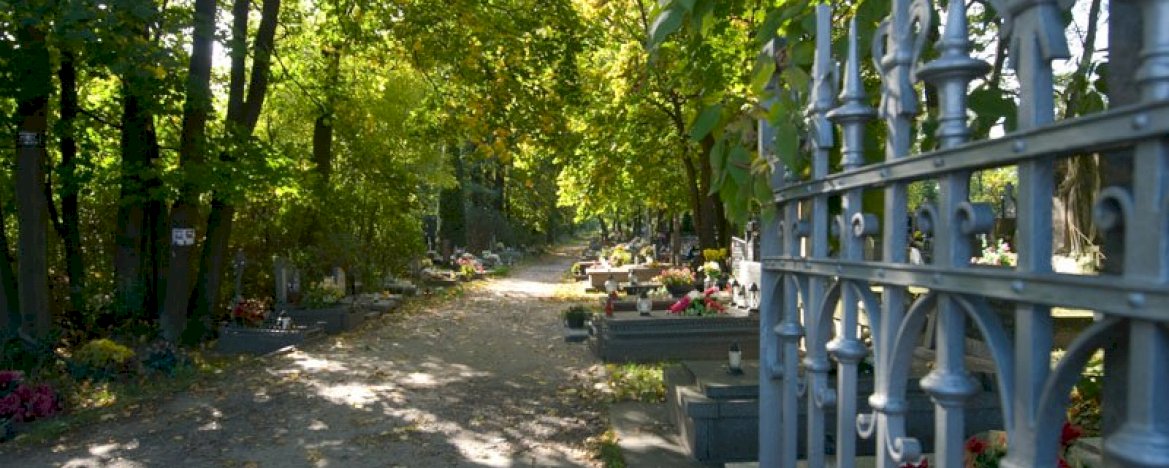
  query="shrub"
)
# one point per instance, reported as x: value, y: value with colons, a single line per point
x: 162, y: 357
x: 322, y: 295
x: 102, y: 359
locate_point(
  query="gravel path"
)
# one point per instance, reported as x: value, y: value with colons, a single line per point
x: 483, y: 379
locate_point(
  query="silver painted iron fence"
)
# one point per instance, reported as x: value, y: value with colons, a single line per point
x: 817, y: 273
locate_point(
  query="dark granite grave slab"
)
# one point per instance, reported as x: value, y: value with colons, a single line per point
x: 628, y: 337
x: 717, y: 415
x: 246, y: 340
x: 334, y: 319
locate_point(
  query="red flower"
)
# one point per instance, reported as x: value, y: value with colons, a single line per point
x: 975, y: 445
x: 924, y: 463
x: 1069, y: 434
x: 1063, y: 464
x: 681, y: 305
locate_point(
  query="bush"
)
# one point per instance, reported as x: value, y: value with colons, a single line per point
x: 319, y: 295
x: 19, y: 355
x: 102, y: 359
x: 162, y: 357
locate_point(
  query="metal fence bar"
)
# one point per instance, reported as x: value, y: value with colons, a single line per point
x: 821, y: 100
x: 1082, y: 135
x: 771, y: 303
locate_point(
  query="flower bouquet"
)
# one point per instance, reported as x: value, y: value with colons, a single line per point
x: 698, y: 304
x: 999, y: 254
x: 250, y: 312
x: 677, y: 280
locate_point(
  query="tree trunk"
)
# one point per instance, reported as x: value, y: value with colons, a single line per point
x: 134, y: 278
x: 242, y: 117
x: 9, y: 295
x: 141, y: 214
x: 70, y: 205
x: 192, y: 146
x: 33, y: 79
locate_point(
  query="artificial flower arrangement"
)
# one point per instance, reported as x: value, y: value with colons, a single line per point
x: 711, y: 269
x: 469, y: 265
x: 987, y: 452
x: 620, y: 255
x: 714, y: 255
x: 999, y: 254
x: 698, y: 304
x: 250, y: 312
x: 676, y: 277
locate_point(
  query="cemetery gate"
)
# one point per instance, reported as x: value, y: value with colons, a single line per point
x: 821, y: 284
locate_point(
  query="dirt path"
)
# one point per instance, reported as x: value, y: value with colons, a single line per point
x: 484, y: 379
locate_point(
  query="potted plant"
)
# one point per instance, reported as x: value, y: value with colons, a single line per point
x: 678, y: 281
x: 575, y: 316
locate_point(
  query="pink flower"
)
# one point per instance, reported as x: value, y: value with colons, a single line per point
x: 681, y: 305
x: 710, y: 290
x: 10, y: 377
x: 9, y: 406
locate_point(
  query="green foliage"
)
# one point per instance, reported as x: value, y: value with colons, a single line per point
x: 636, y: 382
x: 30, y: 358
x: 320, y: 295
x: 162, y: 357
x: 577, y: 313
x: 102, y: 359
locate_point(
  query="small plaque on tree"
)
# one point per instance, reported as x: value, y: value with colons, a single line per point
x: 28, y: 140
x: 182, y: 236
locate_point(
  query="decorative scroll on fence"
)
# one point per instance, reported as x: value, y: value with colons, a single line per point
x: 815, y: 271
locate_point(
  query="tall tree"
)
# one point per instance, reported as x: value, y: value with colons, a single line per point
x: 34, y: 87
x: 242, y: 115
x: 192, y: 160
x: 68, y: 224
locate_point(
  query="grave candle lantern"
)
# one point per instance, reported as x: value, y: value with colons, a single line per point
x: 644, y: 304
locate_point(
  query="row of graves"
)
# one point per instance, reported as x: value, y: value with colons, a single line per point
x: 706, y: 320
x: 299, y: 313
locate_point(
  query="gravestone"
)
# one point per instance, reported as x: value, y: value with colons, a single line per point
x: 281, y: 277
x: 339, y: 278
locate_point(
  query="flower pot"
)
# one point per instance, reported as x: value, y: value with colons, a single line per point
x: 575, y: 321
x: 679, y: 290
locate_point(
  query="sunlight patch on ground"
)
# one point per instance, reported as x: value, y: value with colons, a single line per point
x: 351, y: 394
x: 519, y: 287
x: 487, y: 449
x: 310, y: 363
x: 104, y: 450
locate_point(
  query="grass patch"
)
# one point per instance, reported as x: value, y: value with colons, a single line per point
x: 637, y: 382
x: 605, y: 448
